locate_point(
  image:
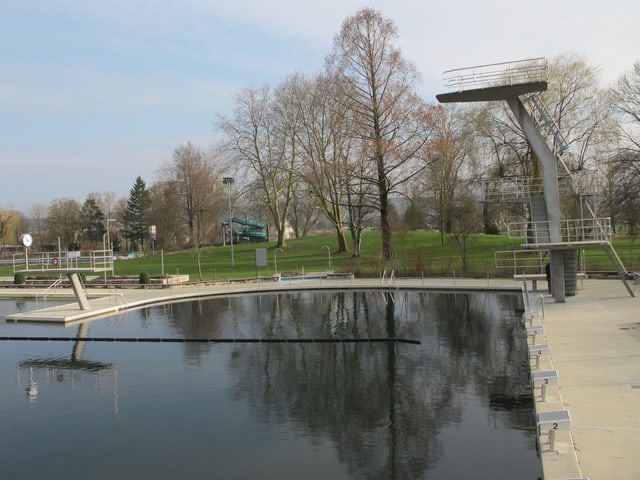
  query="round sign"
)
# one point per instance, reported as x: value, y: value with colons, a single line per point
x: 55, y: 260
x: 26, y: 239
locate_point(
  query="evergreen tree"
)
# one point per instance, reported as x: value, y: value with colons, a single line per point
x: 136, y: 213
x: 91, y: 221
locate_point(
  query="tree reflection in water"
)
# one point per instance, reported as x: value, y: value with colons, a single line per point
x: 382, y: 405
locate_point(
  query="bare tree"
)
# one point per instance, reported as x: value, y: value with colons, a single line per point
x: 574, y: 101
x: 38, y: 223
x: 166, y: 214
x: 107, y: 201
x: 624, y: 99
x: 303, y: 213
x: 261, y: 139
x: 466, y: 220
x: 360, y: 194
x: 8, y: 220
x: 444, y: 156
x: 325, y: 149
x: 191, y: 177
x: 64, y: 222
x: 624, y: 166
x: 378, y: 86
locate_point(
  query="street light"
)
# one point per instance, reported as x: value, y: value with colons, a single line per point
x: 109, y: 220
x: 228, y: 181
x: 108, y: 250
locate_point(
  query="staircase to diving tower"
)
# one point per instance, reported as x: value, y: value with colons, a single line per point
x: 545, y: 230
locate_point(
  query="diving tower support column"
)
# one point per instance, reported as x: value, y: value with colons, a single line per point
x: 551, y: 193
x: 83, y: 302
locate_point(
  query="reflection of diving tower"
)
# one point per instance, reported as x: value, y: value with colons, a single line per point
x: 72, y: 368
x: 546, y: 230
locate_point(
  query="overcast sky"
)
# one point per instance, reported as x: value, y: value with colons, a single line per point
x: 94, y: 93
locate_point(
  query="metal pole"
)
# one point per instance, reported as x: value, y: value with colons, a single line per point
x: 228, y: 181
x: 275, y: 260
x: 329, y: 254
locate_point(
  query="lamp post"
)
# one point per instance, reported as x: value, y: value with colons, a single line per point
x: 108, y: 249
x: 228, y: 181
x: 109, y: 220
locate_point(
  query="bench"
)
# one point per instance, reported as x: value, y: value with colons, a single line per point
x: 552, y: 422
x: 542, y: 379
x: 537, y: 351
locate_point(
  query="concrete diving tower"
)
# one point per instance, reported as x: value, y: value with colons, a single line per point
x: 508, y: 81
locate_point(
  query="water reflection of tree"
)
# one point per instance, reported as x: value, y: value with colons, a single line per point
x: 490, y: 351
x: 382, y: 405
x: 378, y: 403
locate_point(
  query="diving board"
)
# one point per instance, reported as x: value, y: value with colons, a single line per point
x: 70, y: 264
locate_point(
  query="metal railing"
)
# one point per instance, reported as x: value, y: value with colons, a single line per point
x: 503, y: 189
x: 97, y: 260
x: 577, y: 230
x: 521, y: 188
x: 530, y: 261
x: 497, y: 74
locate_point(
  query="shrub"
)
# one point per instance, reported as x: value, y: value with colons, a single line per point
x: 491, y: 229
x: 19, y: 279
x: 145, y: 279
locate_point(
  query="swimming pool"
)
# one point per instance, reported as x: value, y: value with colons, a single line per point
x: 280, y: 401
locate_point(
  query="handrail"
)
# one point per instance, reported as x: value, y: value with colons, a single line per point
x: 540, y: 302
x: 497, y: 74
x: 57, y: 282
x: 571, y: 230
x: 43, y: 261
x: 521, y: 260
x: 505, y: 188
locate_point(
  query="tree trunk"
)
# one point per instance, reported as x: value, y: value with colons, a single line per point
x: 342, y: 241
x: 356, y: 239
x: 385, y: 226
x: 281, y: 241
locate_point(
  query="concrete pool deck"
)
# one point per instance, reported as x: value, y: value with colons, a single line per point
x: 593, y: 344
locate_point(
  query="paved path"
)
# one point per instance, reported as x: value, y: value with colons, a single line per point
x: 594, y: 345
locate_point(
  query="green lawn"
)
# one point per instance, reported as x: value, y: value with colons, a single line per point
x: 416, y: 254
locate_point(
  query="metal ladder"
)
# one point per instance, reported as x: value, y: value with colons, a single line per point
x: 545, y: 122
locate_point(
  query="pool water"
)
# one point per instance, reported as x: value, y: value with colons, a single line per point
x: 457, y: 404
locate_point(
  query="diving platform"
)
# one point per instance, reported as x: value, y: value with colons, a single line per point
x: 491, y: 94
x: 496, y: 81
x: 72, y: 264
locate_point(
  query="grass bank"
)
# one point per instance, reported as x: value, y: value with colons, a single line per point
x: 416, y: 254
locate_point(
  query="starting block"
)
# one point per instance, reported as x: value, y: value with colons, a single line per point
x: 542, y: 379
x: 552, y: 422
x: 529, y: 316
x: 533, y: 332
x: 537, y: 351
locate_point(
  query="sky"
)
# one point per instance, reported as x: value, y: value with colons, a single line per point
x: 96, y: 93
